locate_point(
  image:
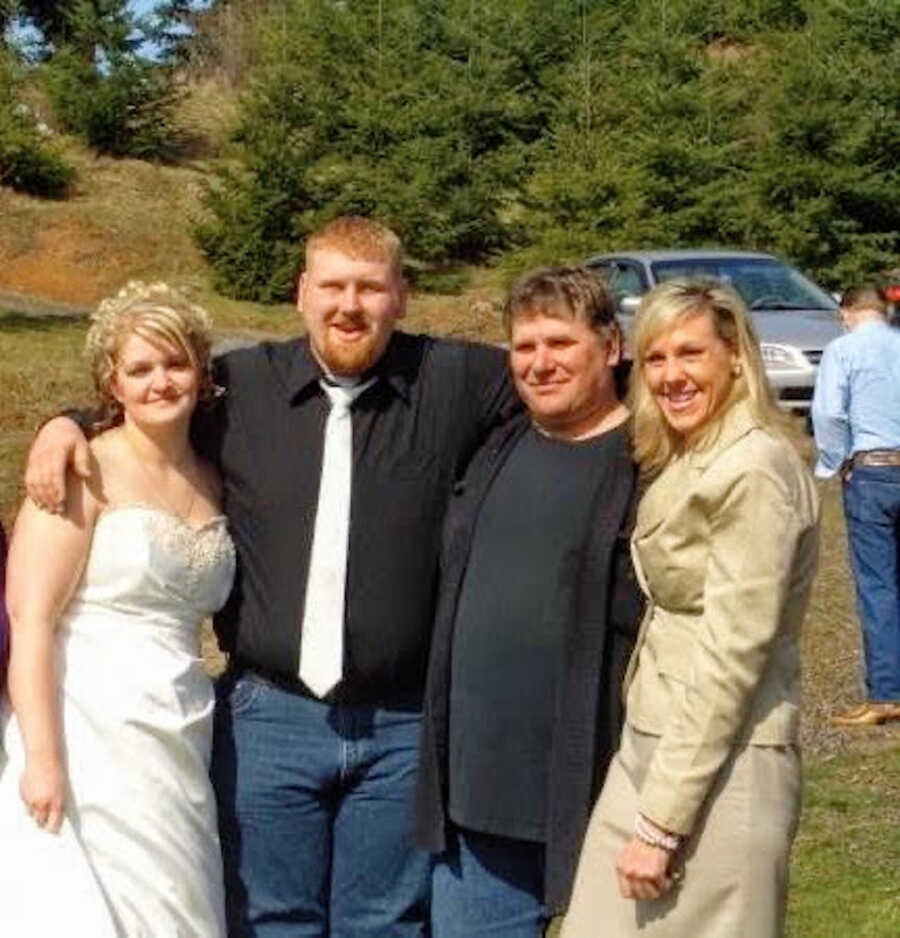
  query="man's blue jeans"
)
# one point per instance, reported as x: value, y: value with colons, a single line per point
x: 315, y: 816
x: 872, y: 510
x: 488, y: 886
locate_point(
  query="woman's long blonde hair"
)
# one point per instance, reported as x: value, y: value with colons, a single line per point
x: 655, y: 443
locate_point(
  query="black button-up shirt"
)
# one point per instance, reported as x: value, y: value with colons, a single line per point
x: 414, y: 432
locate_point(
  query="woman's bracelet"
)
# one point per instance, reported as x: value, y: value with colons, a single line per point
x: 647, y: 832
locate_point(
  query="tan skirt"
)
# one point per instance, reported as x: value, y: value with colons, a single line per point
x: 735, y: 863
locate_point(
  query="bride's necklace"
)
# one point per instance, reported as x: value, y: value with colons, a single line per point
x: 182, y: 512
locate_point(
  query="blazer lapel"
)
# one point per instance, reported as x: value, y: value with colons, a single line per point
x: 674, y: 483
x: 656, y: 505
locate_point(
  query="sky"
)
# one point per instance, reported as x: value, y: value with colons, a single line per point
x: 139, y: 7
x: 143, y: 6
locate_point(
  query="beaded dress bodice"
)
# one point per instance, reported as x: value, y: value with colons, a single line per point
x: 147, y: 562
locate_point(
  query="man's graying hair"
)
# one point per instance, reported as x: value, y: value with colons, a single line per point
x: 564, y: 292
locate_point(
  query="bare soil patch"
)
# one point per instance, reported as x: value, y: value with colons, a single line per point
x: 126, y: 219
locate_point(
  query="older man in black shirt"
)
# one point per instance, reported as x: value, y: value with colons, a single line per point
x: 315, y: 784
x: 537, y: 614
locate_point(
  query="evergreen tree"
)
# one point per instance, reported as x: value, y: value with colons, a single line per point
x: 7, y: 9
x: 827, y: 172
x: 561, y: 129
x: 172, y: 28
x: 84, y: 26
x: 646, y: 147
x: 701, y: 122
x: 421, y: 112
x: 100, y: 88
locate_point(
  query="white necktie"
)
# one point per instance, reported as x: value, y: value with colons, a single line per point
x: 322, y: 640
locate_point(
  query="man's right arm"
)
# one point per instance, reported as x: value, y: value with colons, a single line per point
x: 830, y: 414
x: 489, y: 387
x: 59, y: 444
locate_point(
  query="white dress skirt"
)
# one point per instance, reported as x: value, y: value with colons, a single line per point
x: 138, y: 854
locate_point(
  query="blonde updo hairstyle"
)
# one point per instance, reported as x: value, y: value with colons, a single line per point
x: 665, y: 306
x: 155, y: 312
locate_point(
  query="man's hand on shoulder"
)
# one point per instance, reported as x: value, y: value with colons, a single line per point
x: 60, y: 444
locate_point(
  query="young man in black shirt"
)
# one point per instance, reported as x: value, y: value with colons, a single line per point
x: 536, y: 617
x: 337, y: 529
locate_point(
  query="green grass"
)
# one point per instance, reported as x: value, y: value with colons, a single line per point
x: 844, y: 879
x: 845, y: 876
x: 41, y: 372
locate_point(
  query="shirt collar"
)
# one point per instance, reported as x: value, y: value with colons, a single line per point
x: 872, y: 324
x: 736, y: 422
x: 303, y: 371
x: 396, y: 366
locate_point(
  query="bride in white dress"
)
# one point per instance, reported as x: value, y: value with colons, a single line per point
x: 107, y: 817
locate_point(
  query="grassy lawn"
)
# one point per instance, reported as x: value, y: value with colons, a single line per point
x: 845, y: 880
x: 845, y: 872
x: 41, y: 372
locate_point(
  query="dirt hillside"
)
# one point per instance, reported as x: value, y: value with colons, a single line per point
x: 127, y: 219
x: 124, y: 219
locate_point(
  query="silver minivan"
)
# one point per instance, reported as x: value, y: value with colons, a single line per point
x: 794, y: 318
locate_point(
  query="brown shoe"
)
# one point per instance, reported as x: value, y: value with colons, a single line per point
x: 869, y: 713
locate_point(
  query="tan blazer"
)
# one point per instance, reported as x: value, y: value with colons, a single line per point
x: 725, y: 547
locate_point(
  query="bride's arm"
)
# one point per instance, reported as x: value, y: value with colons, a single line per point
x: 46, y: 559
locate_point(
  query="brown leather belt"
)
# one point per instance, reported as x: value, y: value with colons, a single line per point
x: 877, y: 457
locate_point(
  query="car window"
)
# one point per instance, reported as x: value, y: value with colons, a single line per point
x: 763, y: 283
x: 602, y: 269
x: 626, y: 280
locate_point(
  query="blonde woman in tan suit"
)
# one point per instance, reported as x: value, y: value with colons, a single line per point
x: 692, y: 832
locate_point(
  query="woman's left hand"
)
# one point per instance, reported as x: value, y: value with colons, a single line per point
x: 644, y: 871
x: 43, y: 789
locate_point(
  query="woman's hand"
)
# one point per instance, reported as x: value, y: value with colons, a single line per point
x: 43, y: 789
x: 644, y: 871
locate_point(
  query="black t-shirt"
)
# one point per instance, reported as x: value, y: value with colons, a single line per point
x: 508, y: 635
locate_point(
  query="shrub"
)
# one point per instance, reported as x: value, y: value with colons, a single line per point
x: 28, y: 162
x: 124, y: 109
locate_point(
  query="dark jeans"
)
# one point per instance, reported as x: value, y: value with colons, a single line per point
x: 315, y: 816
x: 872, y: 510
x: 488, y: 885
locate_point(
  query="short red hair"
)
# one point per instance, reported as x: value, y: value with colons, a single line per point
x: 357, y: 237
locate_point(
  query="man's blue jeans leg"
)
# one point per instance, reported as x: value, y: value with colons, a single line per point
x: 872, y: 511
x: 488, y: 886
x: 315, y: 815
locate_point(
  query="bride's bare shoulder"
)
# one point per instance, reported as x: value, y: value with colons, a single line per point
x: 108, y: 459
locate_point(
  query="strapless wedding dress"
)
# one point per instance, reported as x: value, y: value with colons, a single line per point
x: 138, y: 855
